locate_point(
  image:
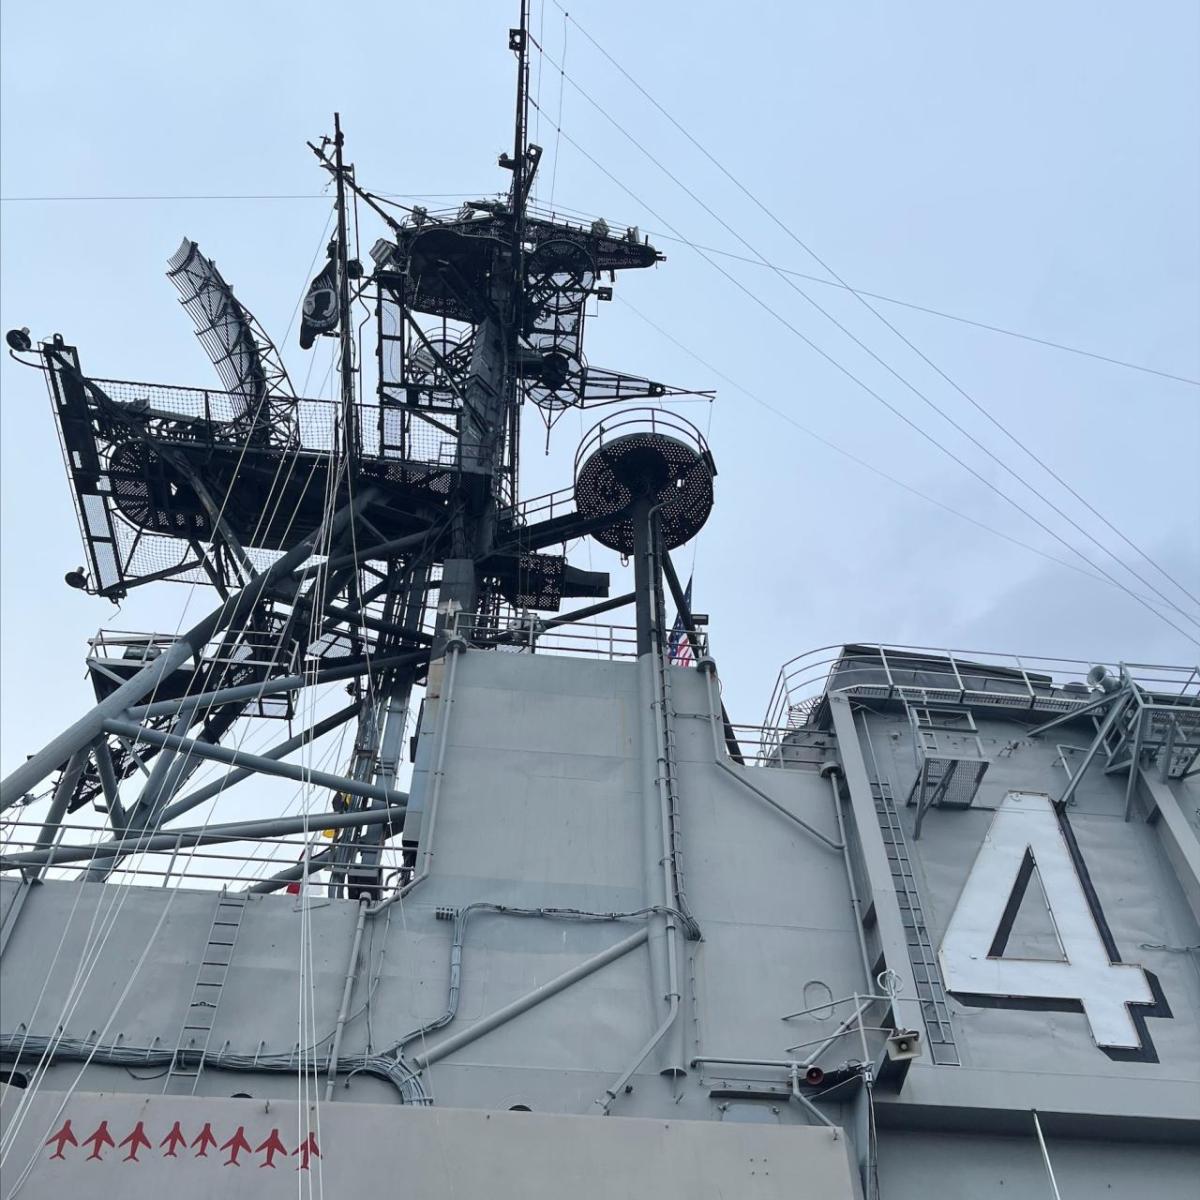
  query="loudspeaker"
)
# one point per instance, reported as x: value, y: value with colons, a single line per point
x: 904, y: 1044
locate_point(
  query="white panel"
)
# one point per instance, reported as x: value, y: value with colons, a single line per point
x: 1025, y: 821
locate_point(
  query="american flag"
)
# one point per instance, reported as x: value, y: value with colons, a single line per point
x: 679, y: 645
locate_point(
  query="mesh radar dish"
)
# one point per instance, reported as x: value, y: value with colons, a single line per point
x: 563, y: 275
x: 645, y: 453
x: 559, y: 381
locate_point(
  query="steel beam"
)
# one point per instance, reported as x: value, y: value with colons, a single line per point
x: 255, y: 762
x: 238, y: 831
x: 274, y: 687
x: 314, y: 862
x: 219, y: 786
x: 233, y: 611
x: 1120, y: 701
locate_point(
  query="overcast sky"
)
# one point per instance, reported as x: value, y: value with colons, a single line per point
x: 1029, y: 166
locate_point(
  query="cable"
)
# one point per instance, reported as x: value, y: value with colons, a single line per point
x: 892, y: 371
x: 228, y: 196
x: 847, y: 454
x: 933, y: 312
x: 874, y: 311
x: 562, y: 74
x: 886, y: 403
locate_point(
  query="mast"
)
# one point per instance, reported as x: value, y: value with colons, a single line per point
x: 345, y: 332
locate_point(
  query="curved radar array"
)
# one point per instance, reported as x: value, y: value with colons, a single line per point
x: 648, y: 455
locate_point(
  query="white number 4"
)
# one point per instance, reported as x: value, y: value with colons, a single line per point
x: 1026, y: 831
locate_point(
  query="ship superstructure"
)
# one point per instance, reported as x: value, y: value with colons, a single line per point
x: 932, y: 922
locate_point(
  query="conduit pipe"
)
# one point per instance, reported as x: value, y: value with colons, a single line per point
x: 523, y: 1003
x: 347, y: 989
x: 708, y: 667
x: 831, y: 771
x: 455, y: 645
x: 657, y: 845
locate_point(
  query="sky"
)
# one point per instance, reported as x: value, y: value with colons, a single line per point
x: 1028, y: 166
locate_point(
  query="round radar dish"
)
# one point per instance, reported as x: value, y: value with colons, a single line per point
x: 562, y: 275
x: 644, y: 454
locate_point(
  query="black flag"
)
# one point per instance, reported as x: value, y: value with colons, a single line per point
x: 320, y: 313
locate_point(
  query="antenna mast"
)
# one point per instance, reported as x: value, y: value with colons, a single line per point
x: 345, y: 332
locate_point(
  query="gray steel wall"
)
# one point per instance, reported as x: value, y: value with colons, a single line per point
x: 540, y: 805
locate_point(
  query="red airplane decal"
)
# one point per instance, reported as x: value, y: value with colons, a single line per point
x: 236, y: 1145
x: 175, y: 1140
x: 137, y: 1140
x: 272, y: 1146
x: 64, y: 1137
x: 101, y: 1139
x: 306, y: 1150
x: 204, y: 1141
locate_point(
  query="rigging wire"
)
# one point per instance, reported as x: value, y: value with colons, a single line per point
x: 933, y: 312
x: 562, y: 74
x: 108, y: 922
x: 854, y: 458
x: 986, y: 413
x: 844, y: 370
x: 941, y: 313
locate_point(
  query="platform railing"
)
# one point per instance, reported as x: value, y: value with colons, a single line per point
x: 224, y: 862
x: 528, y: 634
x: 926, y: 674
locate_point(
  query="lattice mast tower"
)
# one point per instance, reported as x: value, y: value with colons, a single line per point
x: 352, y: 540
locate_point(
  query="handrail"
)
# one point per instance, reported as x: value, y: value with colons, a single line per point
x: 1038, y: 681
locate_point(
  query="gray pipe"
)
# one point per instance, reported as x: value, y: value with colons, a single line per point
x: 87, y: 728
x: 832, y: 771
x: 272, y: 687
x: 709, y: 668
x: 1120, y: 703
x: 281, y: 879
x: 347, y: 989
x: 151, y: 843
x: 217, y: 787
x: 108, y: 784
x: 256, y: 762
x: 454, y: 647
x: 65, y: 789
x: 440, y: 1049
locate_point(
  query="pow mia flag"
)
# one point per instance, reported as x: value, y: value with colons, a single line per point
x: 320, y: 313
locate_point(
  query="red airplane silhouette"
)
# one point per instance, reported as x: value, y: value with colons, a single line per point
x: 101, y: 1138
x: 272, y: 1146
x: 64, y: 1137
x: 236, y: 1145
x: 174, y: 1140
x: 204, y: 1141
x: 306, y: 1149
x: 137, y: 1140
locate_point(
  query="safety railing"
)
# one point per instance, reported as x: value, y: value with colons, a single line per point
x: 924, y: 674
x: 541, y: 508
x: 222, y: 862
x: 530, y: 634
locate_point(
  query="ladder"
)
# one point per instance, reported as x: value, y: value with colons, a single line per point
x: 930, y: 993
x: 201, y: 1013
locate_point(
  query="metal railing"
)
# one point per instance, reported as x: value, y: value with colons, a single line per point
x: 925, y: 674
x: 526, y: 633
x: 225, y: 862
x: 541, y: 508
